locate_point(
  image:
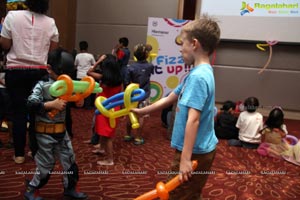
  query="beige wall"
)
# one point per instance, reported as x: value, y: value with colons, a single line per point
x: 237, y: 75
x: 102, y: 22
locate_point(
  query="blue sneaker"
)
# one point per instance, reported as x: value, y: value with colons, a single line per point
x: 74, y: 194
x: 128, y: 138
x: 31, y: 192
x: 138, y: 141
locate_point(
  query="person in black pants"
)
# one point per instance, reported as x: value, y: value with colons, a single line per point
x: 26, y: 61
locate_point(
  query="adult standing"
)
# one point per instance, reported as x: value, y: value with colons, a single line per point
x: 29, y: 35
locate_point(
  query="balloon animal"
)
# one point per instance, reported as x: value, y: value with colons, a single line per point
x: 129, y: 98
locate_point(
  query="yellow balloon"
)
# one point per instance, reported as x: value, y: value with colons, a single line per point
x: 128, y: 105
x: 260, y: 46
x: 107, y: 113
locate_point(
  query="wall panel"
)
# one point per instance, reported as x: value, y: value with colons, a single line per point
x: 103, y: 22
x: 102, y: 37
x: 272, y: 88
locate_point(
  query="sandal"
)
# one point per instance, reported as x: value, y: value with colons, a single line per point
x: 19, y: 159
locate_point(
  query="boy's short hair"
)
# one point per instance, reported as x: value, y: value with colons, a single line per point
x: 206, y: 31
x: 251, y: 104
x: 227, y: 105
x: 83, y: 45
x: 141, y: 51
x: 124, y: 41
x: 61, y: 62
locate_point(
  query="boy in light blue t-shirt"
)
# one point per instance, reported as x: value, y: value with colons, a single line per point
x: 193, y: 135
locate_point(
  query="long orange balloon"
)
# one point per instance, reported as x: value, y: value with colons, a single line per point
x: 162, y: 190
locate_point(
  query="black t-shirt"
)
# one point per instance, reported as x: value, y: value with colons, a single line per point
x: 225, y: 126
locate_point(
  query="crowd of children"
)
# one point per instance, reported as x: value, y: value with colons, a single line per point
x: 269, y: 138
x: 194, y: 136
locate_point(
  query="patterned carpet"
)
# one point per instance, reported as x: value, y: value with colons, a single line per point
x: 236, y: 174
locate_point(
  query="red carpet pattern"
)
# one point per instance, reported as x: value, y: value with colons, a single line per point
x: 237, y: 174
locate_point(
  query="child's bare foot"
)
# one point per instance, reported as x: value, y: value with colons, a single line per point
x: 105, y: 162
x: 87, y: 142
x: 98, y: 151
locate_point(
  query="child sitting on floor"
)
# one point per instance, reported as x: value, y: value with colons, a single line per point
x: 273, y: 133
x: 225, y: 123
x: 250, y: 122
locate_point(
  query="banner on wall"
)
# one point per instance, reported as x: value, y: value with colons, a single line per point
x: 170, y: 70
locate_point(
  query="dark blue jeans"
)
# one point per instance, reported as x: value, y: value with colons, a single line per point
x: 239, y: 143
x: 125, y: 76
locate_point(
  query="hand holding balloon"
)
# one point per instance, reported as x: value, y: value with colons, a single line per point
x: 129, y: 98
x: 162, y: 190
x: 66, y: 88
x: 73, y: 91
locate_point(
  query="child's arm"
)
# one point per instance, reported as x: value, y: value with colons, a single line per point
x: 158, y: 105
x: 91, y: 72
x: 263, y: 136
x: 239, y: 122
x: 56, y: 104
x: 5, y: 43
x: 115, y: 49
x: 2, y: 81
x: 36, y: 102
x: 191, y: 129
x: 284, y: 129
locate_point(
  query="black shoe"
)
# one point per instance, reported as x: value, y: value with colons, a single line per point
x: 10, y: 145
x: 3, y: 129
x: 31, y: 192
x: 74, y: 194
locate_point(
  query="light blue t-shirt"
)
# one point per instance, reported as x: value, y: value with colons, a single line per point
x: 198, y: 92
